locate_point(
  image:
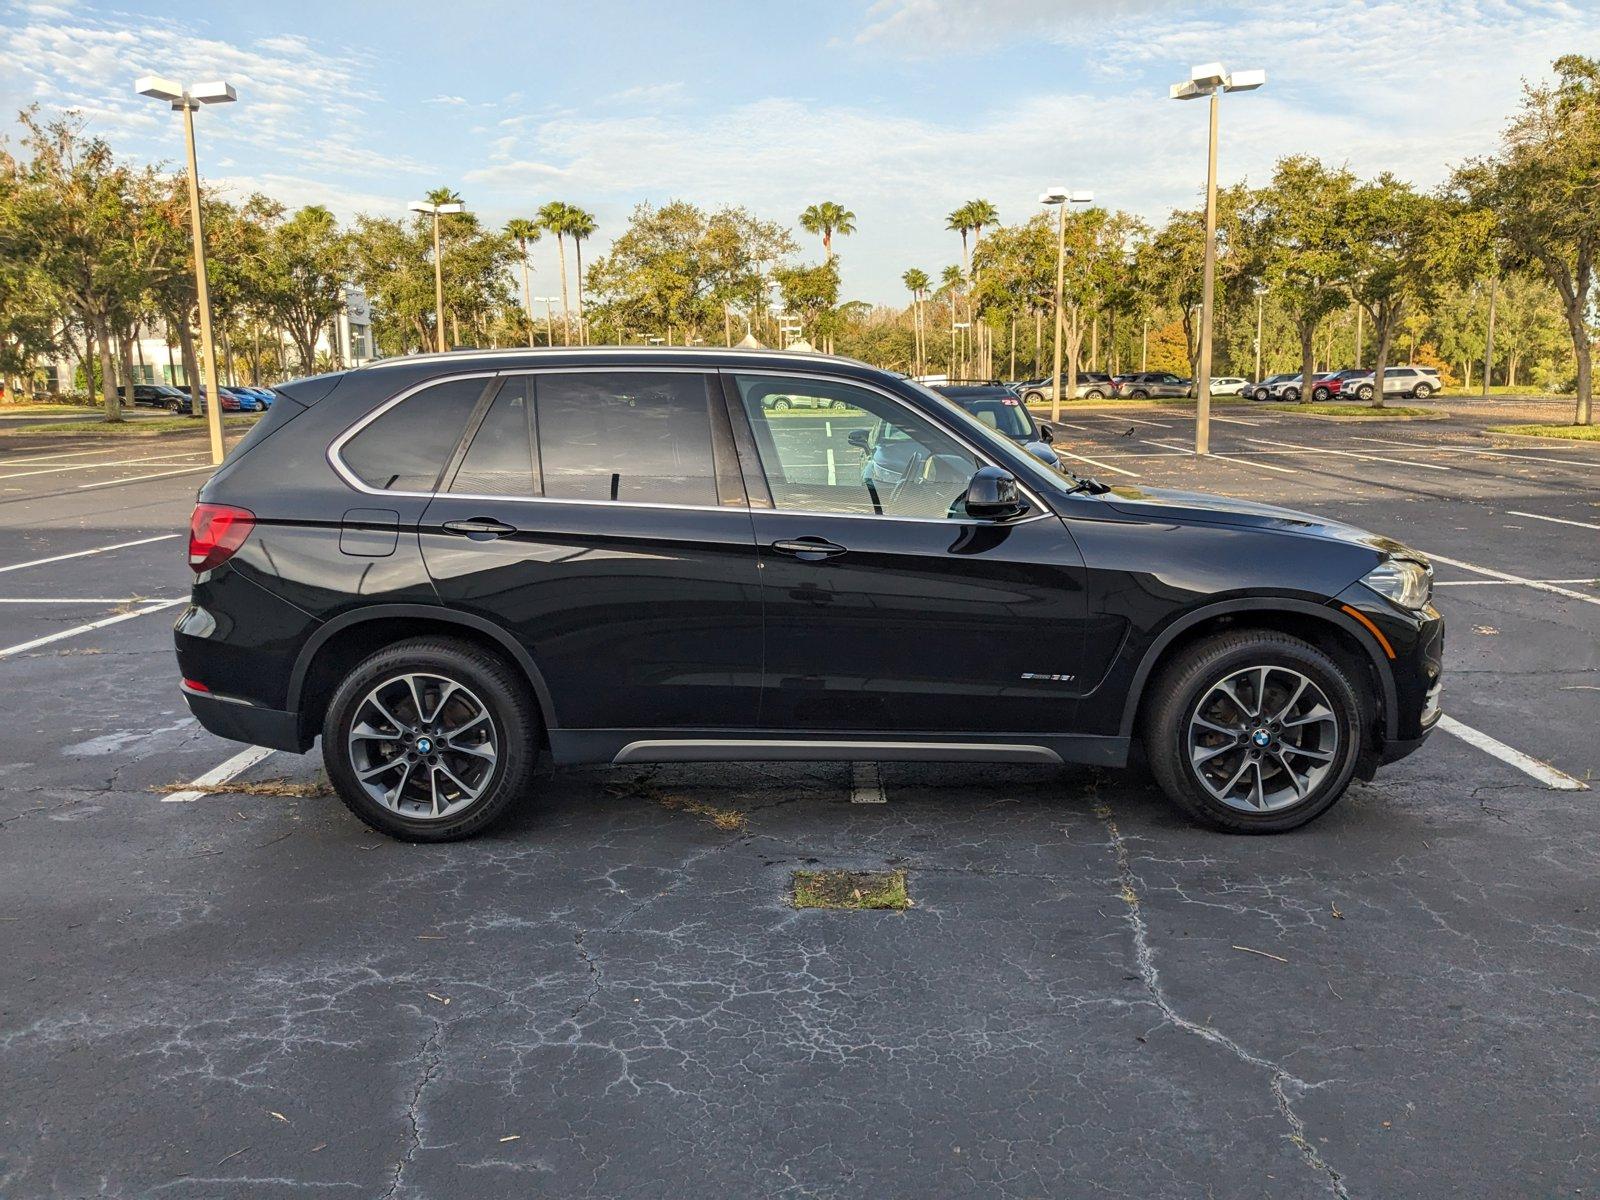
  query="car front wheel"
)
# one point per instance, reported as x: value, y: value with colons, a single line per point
x: 1320, y: 395
x: 1364, y: 393
x: 1033, y: 397
x: 1254, y: 732
x: 1263, y: 394
x: 431, y: 739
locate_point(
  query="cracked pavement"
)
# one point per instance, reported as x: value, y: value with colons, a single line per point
x: 255, y: 996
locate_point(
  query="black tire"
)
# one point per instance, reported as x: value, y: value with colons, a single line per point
x: 1179, y: 688
x: 1094, y: 394
x: 1422, y: 391
x: 512, y: 712
x: 1320, y: 395
x: 1291, y: 394
x: 1033, y: 397
x: 780, y: 405
x: 1262, y: 394
x: 1364, y: 392
x: 1139, y: 394
x: 175, y: 407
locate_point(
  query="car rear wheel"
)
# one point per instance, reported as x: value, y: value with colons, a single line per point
x: 1139, y: 394
x: 1422, y: 391
x: 1254, y: 732
x: 780, y: 405
x: 1291, y: 394
x: 1033, y: 397
x: 430, y: 740
x: 1094, y: 394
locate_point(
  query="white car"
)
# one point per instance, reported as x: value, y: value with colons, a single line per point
x: 1229, y: 385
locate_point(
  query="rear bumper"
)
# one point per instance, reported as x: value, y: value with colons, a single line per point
x: 241, y: 721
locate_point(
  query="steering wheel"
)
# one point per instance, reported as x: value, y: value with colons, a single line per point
x: 915, y: 466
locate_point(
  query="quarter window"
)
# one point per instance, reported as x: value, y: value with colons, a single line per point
x: 627, y: 435
x: 405, y: 448
x: 844, y: 449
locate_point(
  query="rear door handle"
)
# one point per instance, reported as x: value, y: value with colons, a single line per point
x: 480, y: 529
x: 808, y: 549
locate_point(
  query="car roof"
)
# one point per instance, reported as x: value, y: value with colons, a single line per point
x: 665, y: 354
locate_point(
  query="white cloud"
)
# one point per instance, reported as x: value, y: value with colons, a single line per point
x: 949, y: 28
x: 452, y: 100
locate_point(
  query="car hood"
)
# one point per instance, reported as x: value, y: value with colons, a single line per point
x: 1165, y: 504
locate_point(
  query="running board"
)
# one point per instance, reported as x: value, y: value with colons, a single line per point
x: 790, y: 750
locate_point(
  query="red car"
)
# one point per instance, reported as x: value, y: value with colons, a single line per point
x: 1327, y: 386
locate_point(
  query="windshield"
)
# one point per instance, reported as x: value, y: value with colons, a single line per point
x: 1004, y: 414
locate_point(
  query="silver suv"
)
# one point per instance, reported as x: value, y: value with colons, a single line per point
x: 1154, y: 383
x: 1412, y: 382
x: 1276, y: 387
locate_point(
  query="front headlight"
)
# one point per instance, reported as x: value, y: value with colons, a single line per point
x: 1408, y: 584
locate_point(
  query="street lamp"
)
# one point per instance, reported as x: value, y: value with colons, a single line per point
x: 1210, y: 79
x: 438, y: 210
x: 549, y: 317
x: 1060, y: 197
x: 186, y: 100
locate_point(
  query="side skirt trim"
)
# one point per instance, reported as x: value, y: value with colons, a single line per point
x: 758, y: 750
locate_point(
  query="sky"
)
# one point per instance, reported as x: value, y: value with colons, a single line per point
x: 898, y: 109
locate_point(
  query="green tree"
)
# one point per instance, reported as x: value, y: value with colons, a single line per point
x: 917, y: 282
x: 307, y: 264
x: 1296, y: 234
x: 826, y: 219
x: 578, y: 226
x: 525, y: 233
x: 811, y: 294
x: 553, y: 218
x: 1543, y: 188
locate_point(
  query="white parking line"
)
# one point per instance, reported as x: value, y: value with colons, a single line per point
x: 1566, y: 462
x: 23, y: 647
x: 1136, y: 420
x: 1511, y: 512
x: 234, y: 767
x: 39, y: 562
x: 1093, y: 462
x: 1507, y: 582
x: 76, y: 600
x: 1235, y: 420
x: 1242, y: 462
x: 1508, y: 577
x: 1527, y: 764
x: 866, y: 784
x: 1346, y: 454
x: 157, y: 475
x: 95, y: 466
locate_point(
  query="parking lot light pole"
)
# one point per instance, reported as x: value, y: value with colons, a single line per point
x: 1060, y: 197
x: 1210, y: 79
x: 1261, y: 294
x: 186, y: 100
x: 438, y: 210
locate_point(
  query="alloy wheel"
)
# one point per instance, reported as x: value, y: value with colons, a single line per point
x: 1263, y: 738
x: 422, y: 745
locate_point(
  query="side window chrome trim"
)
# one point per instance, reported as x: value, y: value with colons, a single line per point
x: 337, y: 462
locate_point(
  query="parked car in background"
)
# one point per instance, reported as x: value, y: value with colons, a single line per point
x: 454, y: 568
x: 1091, y: 385
x: 1328, y: 386
x: 1144, y: 384
x: 785, y: 403
x: 1413, y: 382
x: 262, y: 395
x: 232, y: 401
x: 161, y: 395
x: 1285, y: 386
x: 1001, y: 410
x: 1229, y: 385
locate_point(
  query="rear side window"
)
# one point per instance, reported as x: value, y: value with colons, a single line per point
x: 626, y: 435
x: 500, y: 460
x: 408, y: 445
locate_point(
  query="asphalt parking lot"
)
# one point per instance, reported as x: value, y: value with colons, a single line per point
x: 249, y: 994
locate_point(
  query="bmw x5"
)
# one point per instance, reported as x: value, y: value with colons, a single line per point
x: 447, y: 566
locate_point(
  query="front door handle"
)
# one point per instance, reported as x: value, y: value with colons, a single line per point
x: 808, y: 549
x: 480, y: 529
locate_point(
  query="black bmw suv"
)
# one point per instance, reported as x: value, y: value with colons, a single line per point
x: 444, y: 565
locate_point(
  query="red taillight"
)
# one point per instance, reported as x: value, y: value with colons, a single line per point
x: 215, y: 532
x: 194, y: 685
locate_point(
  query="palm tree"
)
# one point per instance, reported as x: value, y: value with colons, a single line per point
x: 525, y: 233
x: 951, y: 282
x: 916, y: 282
x: 971, y: 217
x: 827, y: 219
x: 579, y: 225
x: 552, y: 218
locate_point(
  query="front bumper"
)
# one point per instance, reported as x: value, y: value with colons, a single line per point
x: 1412, y: 646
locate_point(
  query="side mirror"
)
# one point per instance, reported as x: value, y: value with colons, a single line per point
x: 858, y: 439
x: 992, y: 495
x: 1046, y: 434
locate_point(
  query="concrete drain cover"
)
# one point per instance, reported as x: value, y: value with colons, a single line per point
x: 850, y: 889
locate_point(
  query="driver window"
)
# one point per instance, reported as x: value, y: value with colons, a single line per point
x: 835, y: 448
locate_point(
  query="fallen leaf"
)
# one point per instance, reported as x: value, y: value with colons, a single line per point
x: 1485, y: 630
x: 440, y: 999
x: 1336, y: 911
